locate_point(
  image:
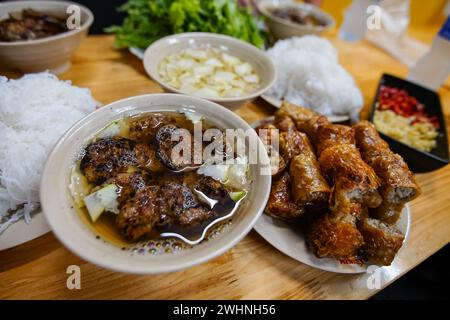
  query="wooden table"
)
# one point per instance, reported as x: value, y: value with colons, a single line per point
x: 253, y: 269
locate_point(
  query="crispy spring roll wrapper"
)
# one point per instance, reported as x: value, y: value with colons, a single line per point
x: 398, y: 183
x: 332, y: 134
x: 309, y: 187
x: 341, y: 203
x: 296, y: 113
x: 343, y: 163
x: 305, y: 120
x: 335, y: 236
x: 271, y: 130
x: 285, y: 124
x: 381, y: 241
x: 388, y: 212
x: 292, y: 142
x: 280, y: 204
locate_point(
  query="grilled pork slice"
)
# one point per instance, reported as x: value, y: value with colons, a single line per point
x: 140, y: 214
x: 172, y: 203
x: 146, y: 158
x: 129, y: 184
x: 381, y: 241
x: 145, y: 128
x: 171, y: 143
x: 107, y: 157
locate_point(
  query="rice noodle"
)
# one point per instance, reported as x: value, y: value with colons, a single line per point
x: 35, y: 111
x: 309, y: 75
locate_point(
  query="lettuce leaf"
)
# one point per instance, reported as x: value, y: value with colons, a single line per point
x: 150, y: 20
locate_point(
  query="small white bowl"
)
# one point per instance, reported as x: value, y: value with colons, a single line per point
x: 79, y: 238
x: 51, y: 53
x: 283, y: 28
x: 160, y: 49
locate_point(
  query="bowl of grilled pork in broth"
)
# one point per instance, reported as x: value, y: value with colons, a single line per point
x: 41, y: 35
x: 123, y: 190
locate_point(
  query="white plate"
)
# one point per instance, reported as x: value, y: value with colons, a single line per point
x: 277, y: 104
x: 21, y: 232
x: 291, y: 241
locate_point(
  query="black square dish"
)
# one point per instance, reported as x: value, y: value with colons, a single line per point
x: 418, y: 161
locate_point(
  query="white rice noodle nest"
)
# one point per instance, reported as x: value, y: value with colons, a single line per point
x: 309, y: 75
x: 35, y: 111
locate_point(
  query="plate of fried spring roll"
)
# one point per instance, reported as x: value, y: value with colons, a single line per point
x: 339, y: 195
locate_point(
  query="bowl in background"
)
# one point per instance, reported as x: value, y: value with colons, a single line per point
x: 76, y: 235
x: 51, y: 53
x: 417, y: 160
x: 284, y: 28
x: 160, y: 49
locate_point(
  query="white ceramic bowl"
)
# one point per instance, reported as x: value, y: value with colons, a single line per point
x: 283, y: 28
x: 52, y: 53
x: 160, y: 49
x: 79, y: 238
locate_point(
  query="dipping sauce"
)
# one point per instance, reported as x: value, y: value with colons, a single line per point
x: 297, y: 16
x: 209, y: 72
x: 402, y: 117
x: 30, y: 24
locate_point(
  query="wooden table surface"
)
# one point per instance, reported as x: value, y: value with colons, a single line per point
x: 253, y: 269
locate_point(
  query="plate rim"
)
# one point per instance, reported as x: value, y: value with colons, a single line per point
x: 22, y: 232
x: 277, y: 104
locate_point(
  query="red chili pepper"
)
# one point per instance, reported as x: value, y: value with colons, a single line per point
x: 403, y: 104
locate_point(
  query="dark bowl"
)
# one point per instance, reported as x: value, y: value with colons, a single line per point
x: 418, y: 161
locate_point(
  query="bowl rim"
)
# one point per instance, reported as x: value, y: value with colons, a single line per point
x: 83, y: 27
x: 439, y: 105
x: 272, y: 73
x: 146, y: 266
x: 264, y: 5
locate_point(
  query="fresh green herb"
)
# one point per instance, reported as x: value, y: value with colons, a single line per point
x: 150, y: 20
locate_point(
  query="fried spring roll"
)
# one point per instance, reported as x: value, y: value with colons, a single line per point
x: 381, y: 241
x: 398, y: 183
x: 285, y: 124
x: 305, y: 120
x: 292, y: 142
x: 280, y: 204
x: 308, y: 184
x: 270, y: 139
x: 343, y: 163
x: 332, y: 134
x: 341, y: 203
x: 296, y: 113
x: 335, y: 236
